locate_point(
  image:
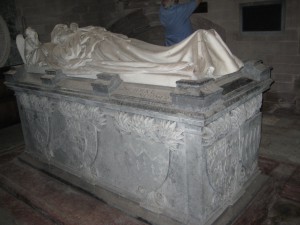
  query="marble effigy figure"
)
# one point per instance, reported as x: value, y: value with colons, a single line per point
x: 88, y: 51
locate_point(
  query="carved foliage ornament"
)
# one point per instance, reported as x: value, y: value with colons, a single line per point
x: 38, y: 123
x: 35, y: 103
x: 81, y: 112
x: 230, y: 121
x: 78, y: 118
x: 165, y: 132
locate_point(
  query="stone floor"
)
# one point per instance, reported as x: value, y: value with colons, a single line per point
x: 31, y: 197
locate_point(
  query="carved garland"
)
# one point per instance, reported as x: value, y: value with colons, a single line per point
x: 35, y: 103
x: 81, y: 112
x: 165, y: 132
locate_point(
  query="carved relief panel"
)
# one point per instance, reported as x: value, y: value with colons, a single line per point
x: 231, y: 145
x: 37, y: 112
x: 136, y: 152
x: 76, y: 134
x: 124, y: 152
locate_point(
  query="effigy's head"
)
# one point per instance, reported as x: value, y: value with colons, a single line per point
x: 168, y: 3
x: 31, y: 33
x: 60, y: 33
x: 74, y: 27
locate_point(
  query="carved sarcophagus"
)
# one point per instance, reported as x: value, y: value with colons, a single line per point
x: 172, y: 155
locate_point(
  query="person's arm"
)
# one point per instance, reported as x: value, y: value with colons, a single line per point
x: 186, y: 9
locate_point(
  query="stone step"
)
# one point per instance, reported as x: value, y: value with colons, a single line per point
x: 57, y: 201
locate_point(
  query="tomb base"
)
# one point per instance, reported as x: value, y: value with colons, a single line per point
x: 170, y: 155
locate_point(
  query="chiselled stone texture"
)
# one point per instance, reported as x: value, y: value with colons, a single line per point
x: 183, y: 164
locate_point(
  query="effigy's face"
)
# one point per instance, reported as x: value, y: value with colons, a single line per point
x: 60, y: 33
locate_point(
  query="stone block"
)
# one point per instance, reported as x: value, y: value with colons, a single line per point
x: 280, y: 96
x: 282, y: 59
x: 52, y: 77
x: 293, y: 69
x: 282, y: 87
x: 106, y: 83
x: 282, y: 77
x: 287, y: 35
x: 196, y: 94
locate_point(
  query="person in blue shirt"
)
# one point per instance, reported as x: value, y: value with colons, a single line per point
x: 175, y: 18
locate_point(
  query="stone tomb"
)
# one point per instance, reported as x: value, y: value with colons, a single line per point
x: 171, y: 155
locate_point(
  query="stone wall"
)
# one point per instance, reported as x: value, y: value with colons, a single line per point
x: 139, y: 18
x: 280, y: 50
x: 42, y: 15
